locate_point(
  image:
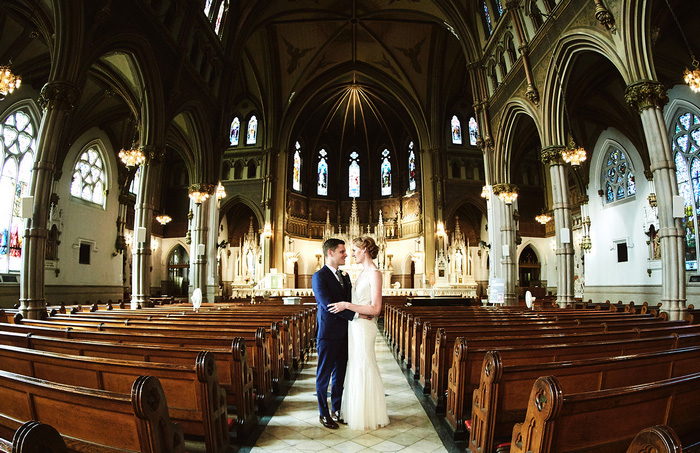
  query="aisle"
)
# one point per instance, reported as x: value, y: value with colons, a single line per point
x: 295, y: 426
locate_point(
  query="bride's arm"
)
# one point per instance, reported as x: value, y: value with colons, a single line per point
x: 374, y: 309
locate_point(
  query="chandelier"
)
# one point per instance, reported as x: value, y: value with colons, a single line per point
x: 132, y: 157
x: 8, y: 81
x: 485, y: 192
x: 574, y: 155
x: 692, y: 78
x: 543, y: 218
x: 507, y: 192
x: 200, y: 192
x: 267, y: 230
x: 220, y: 191
x: 441, y: 229
x: 163, y: 219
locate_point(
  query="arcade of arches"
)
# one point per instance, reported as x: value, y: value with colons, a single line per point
x: 412, y: 121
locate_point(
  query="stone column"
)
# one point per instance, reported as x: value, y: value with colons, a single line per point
x: 143, y: 220
x: 213, y: 249
x: 648, y: 99
x: 505, y: 249
x: 199, y: 227
x: 561, y: 207
x: 429, y: 212
x: 57, y: 100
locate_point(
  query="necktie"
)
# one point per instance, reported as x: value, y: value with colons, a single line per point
x: 340, y: 278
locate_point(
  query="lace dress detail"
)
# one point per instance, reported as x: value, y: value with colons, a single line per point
x: 364, y: 402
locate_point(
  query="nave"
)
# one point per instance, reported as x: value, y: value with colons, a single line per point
x: 294, y: 427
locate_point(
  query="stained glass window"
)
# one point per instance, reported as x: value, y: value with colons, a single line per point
x: 487, y: 18
x: 411, y: 167
x: 322, y: 183
x: 499, y: 7
x: 456, y: 130
x: 207, y: 7
x: 685, y: 139
x: 89, y: 178
x: 134, y: 187
x: 252, y: 136
x: 354, y: 175
x: 296, y: 176
x: 17, y: 158
x: 220, y: 16
x: 473, y: 131
x: 235, y: 131
x: 618, y: 176
x: 386, y: 173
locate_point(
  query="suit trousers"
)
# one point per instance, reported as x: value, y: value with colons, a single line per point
x: 332, y: 362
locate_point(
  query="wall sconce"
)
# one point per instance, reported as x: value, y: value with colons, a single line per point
x: 267, y: 231
x: 154, y: 243
x: 417, y: 256
x: 319, y: 255
x: 389, y: 256
x: 485, y: 193
x: 220, y: 191
x: 441, y: 230
x: 129, y: 239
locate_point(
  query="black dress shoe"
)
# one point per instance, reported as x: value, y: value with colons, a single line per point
x: 328, y: 422
x: 335, y: 415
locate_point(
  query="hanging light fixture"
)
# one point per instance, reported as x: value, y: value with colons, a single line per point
x: 507, y: 192
x: 8, y: 81
x: 200, y: 192
x: 543, y: 218
x: 267, y: 230
x: 133, y: 156
x: 441, y: 229
x: 691, y: 77
x: 163, y: 219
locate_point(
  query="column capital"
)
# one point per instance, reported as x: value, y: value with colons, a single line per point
x: 646, y: 94
x: 204, y: 187
x: 59, y: 95
x: 552, y: 154
x: 512, y: 4
x: 153, y: 154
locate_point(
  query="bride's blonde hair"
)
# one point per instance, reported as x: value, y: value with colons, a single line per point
x: 367, y: 243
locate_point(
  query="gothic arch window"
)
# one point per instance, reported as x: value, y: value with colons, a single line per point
x: 89, y: 177
x: 252, y: 134
x: 252, y: 169
x: 354, y: 175
x: 238, y: 170
x: 499, y: 8
x: 685, y: 136
x: 535, y: 14
x: 134, y: 186
x: 386, y: 173
x: 473, y: 131
x: 493, y: 75
x: 502, y: 63
x: 322, y: 173
x: 411, y: 167
x: 510, y: 49
x: 487, y: 18
x: 618, y: 176
x: 296, y: 168
x: 235, y: 131
x: 221, y: 17
x: 19, y: 145
x: 207, y: 7
x: 456, y: 128
x: 456, y: 167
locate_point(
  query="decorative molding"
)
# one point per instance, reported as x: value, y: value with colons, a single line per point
x: 646, y: 94
x: 504, y: 187
x: 552, y: 154
x: 58, y: 95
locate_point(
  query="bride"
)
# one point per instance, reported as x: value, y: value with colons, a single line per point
x: 364, y: 404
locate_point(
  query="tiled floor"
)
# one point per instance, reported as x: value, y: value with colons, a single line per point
x: 295, y: 426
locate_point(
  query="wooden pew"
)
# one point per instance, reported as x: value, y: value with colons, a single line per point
x: 257, y: 339
x: 502, y: 397
x: 605, y: 420
x: 196, y: 402
x: 93, y: 420
x: 34, y: 437
x: 656, y: 439
x: 235, y: 374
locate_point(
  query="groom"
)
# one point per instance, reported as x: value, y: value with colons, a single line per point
x: 331, y: 285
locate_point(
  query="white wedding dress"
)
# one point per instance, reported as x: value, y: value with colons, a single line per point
x: 364, y: 404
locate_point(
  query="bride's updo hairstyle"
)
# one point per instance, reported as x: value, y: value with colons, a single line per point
x: 367, y: 243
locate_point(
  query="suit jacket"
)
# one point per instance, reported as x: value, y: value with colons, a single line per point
x: 327, y: 290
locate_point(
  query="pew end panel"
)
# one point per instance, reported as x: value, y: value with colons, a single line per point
x: 657, y: 439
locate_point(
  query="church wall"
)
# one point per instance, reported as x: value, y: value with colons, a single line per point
x: 83, y: 221
x: 621, y: 221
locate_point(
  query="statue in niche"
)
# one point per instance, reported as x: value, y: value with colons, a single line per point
x: 52, y: 243
x: 656, y: 247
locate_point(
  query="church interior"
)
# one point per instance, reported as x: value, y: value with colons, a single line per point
x: 508, y: 153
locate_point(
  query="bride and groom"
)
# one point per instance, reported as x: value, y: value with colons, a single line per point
x: 346, y: 336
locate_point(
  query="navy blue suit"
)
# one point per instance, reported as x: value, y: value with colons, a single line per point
x: 332, y: 337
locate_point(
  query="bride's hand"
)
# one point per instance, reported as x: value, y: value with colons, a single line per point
x: 337, y: 307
